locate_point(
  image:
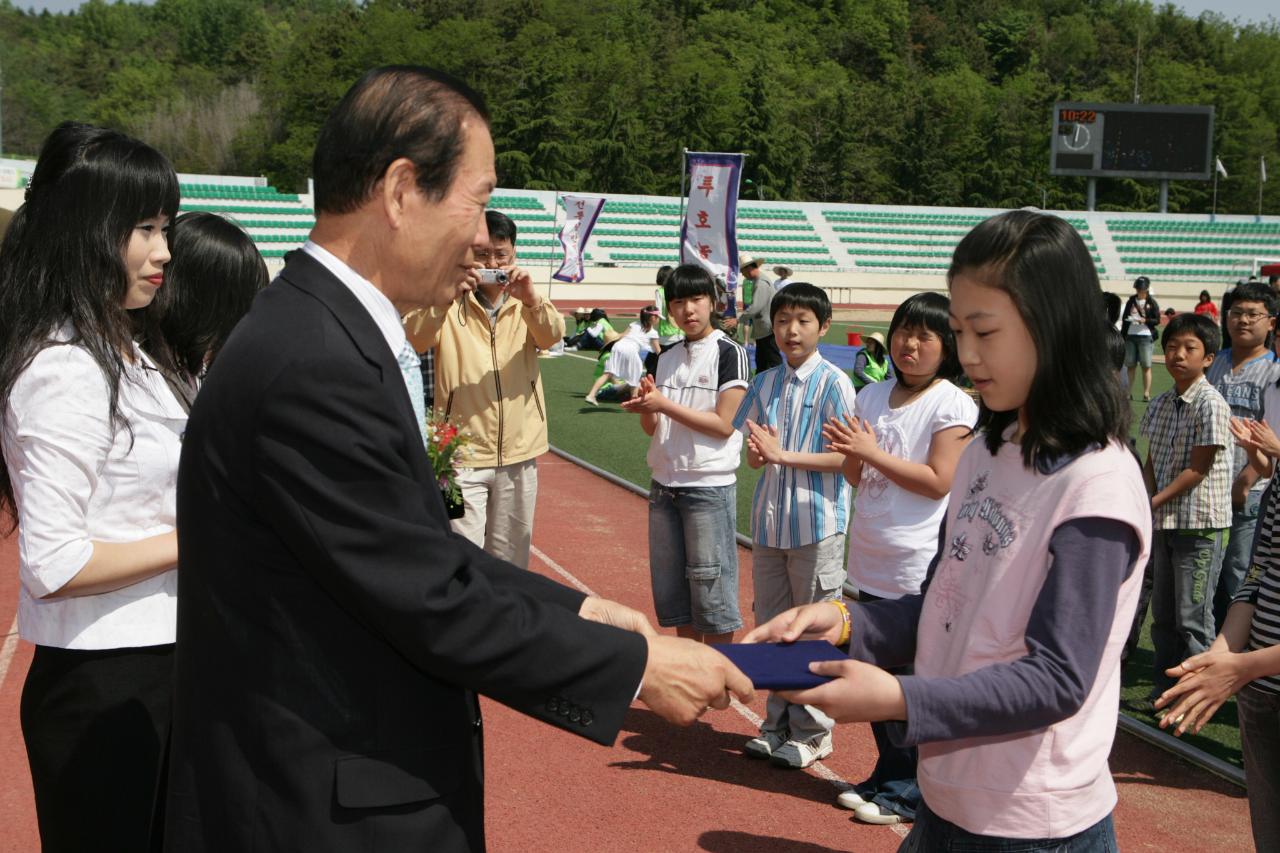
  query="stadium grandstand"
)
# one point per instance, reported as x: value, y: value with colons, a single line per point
x: 863, y: 254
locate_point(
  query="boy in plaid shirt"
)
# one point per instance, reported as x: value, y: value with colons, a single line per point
x: 1188, y: 473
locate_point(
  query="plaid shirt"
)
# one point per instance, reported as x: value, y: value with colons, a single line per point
x: 1175, y: 424
x: 429, y: 377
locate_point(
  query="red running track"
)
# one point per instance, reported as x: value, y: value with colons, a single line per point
x: 662, y: 788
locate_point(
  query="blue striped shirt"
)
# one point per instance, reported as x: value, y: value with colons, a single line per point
x: 793, y: 508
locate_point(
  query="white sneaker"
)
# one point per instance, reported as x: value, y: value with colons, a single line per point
x: 763, y: 745
x: 850, y: 799
x: 877, y: 814
x: 799, y: 754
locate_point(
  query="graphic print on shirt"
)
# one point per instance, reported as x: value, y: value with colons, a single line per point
x: 998, y: 531
x: 890, y: 439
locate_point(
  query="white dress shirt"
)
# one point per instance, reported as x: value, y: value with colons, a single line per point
x: 77, y: 478
x: 373, y: 300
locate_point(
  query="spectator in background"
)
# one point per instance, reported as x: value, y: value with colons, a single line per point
x: 215, y: 273
x: 871, y: 364
x: 625, y: 364
x: 1242, y: 374
x: 1273, y: 281
x: 1141, y: 318
x: 593, y: 335
x: 1111, y: 304
x: 783, y: 278
x: 757, y: 314
x: 487, y: 345
x: 1205, y: 306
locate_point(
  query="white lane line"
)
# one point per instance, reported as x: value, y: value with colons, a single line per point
x: 746, y: 713
x: 8, y: 648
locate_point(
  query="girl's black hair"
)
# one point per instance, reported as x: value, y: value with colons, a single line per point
x: 62, y: 256
x: 930, y: 311
x: 597, y: 314
x: 649, y: 317
x: 215, y: 272
x: 1204, y: 296
x: 687, y: 281
x: 1045, y: 268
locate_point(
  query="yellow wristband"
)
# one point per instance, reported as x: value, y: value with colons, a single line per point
x: 847, y: 629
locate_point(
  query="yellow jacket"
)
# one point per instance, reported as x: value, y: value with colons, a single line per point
x: 487, y: 377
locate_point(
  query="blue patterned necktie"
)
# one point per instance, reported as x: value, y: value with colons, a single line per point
x: 411, y: 370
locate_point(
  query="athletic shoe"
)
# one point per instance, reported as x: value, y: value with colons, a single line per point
x: 763, y: 745
x: 851, y: 799
x: 799, y: 754
x: 877, y: 814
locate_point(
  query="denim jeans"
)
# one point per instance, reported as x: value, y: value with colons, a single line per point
x: 932, y: 834
x: 693, y: 557
x: 1186, y: 565
x: 1235, y: 558
x: 1260, y: 746
x: 892, y: 784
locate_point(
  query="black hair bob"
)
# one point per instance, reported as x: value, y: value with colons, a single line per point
x: 802, y: 294
x: 930, y: 311
x: 687, y: 281
x: 209, y: 284
x: 1074, y: 402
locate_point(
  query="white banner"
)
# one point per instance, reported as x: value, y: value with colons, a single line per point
x: 709, y: 233
x: 581, y: 213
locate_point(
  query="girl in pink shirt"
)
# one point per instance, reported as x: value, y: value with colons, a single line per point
x: 1015, y: 637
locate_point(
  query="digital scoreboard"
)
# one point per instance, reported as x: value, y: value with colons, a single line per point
x: 1132, y: 141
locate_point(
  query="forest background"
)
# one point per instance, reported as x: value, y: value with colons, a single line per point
x: 868, y: 101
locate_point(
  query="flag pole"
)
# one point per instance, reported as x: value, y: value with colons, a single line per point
x: 684, y: 177
x: 1214, y: 214
x: 551, y: 256
x: 1262, y: 179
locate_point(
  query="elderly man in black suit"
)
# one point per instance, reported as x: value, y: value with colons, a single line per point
x: 332, y: 632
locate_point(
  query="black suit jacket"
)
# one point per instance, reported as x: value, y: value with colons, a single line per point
x: 331, y: 628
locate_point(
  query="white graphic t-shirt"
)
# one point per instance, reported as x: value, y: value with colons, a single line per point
x: 894, y: 532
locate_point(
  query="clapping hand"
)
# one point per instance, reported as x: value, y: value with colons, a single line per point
x: 850, y: 437
x: 764, y: 443
x: 1256, y: 437
x: 647, y: 398
x: 1205, y: 681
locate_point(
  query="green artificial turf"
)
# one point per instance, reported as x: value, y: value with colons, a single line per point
x: 611, y: 439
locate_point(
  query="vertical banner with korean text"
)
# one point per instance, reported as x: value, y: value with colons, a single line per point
x: 581, y: 213
x: 709, y: 233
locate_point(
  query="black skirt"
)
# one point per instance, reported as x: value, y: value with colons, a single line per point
x: 96, y: 724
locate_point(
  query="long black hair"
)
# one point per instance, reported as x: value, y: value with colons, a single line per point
x: 1043, y: 265
x: 62, y: 256
x: 932, y: 312
x: 214, y: 273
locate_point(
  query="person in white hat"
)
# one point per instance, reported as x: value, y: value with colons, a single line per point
x: 757, y: 313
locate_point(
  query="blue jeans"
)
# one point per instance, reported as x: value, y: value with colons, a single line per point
x: 1235, y: 558
x: 932, y: 834
x: 693, y: 557
x: 892, y: 784
x: 1186, y: 565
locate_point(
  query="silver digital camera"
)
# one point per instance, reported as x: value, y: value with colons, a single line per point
x: 487, y: 276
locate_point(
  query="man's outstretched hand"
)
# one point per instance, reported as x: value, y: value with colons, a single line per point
x: 682, y: 679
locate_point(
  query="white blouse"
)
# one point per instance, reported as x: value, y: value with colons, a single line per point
x: 77, y: 478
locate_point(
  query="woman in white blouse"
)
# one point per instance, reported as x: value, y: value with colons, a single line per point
x: 91, y: 437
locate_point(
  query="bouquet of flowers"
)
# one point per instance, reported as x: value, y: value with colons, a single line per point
x: 445, y: 443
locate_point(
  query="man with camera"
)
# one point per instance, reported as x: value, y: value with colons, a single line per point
x: 488, y: 384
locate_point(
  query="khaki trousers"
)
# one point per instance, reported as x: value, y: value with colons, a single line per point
x: 500, y: 503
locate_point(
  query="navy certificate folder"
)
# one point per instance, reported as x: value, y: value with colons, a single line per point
x: 781, y: 666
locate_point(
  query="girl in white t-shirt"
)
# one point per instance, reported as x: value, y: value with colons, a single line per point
x: 901, y: 448
x: 624, y: 365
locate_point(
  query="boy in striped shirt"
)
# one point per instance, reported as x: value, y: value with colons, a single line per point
x: 801, y: 507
